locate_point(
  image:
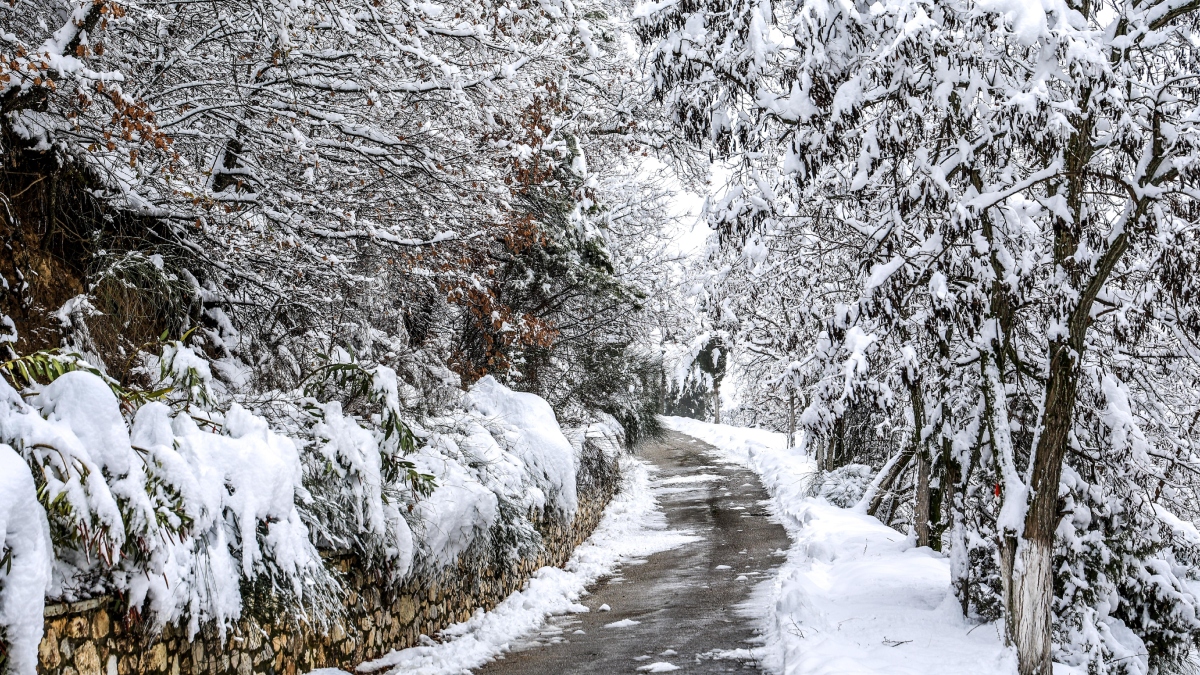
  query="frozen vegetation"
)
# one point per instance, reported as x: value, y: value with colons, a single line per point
x: 182, y: 507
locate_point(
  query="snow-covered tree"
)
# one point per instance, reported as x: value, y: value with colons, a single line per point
x: 336, y: 215
x: 997, y: 201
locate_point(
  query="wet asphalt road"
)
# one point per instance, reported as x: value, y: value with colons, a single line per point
x: 686, y: 599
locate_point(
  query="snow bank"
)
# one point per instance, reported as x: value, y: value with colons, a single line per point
x: 176, y: 506
x: 534, y: 436
x: 25, y: 539
x: 633, y: 526
x: 854, y: 596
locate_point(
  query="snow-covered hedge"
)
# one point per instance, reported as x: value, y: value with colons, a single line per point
x: 180, y: 504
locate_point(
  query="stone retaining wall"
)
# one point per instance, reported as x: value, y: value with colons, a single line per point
x: 93, y: 638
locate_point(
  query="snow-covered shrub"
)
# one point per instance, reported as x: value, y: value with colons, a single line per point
x: 25, y: 558
x: 527, y: 427
x: 90, y: 479
x: 187, y: 376
x: 199, y: 511
x: 981, y: 581
x: 845, y: 485
x: 502, y: 466
x: 1123, y: 600
x: 136, y: 298
x: 598, y: 446
x: 174, y: 516
x: 361, y: 483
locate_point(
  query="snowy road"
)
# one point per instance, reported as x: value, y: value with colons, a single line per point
x: 679, y: 609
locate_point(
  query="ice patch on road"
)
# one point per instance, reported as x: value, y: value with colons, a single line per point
x: 633, y: 527
x: 623, y: 623
x: 658, y: 667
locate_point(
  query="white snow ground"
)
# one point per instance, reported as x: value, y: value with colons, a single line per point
x: 854, y: 597
x: 633, y: 527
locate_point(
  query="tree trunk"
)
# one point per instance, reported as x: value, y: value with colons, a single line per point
x: 921, y: 505
x: 791, y: 441
x: 837, y: 445
x: 717, y: 404
x: 921, y: 508
x: 1030, y: 594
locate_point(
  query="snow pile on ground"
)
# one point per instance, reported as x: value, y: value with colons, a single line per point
x: 25, y: 555
x: 633, y: 526
x: 854, y: 596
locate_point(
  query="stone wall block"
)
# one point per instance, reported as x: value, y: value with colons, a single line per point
x: 100, y: 624
x: 48, y: 654
x: 87, y: 661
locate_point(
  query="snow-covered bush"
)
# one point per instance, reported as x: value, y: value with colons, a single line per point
x: 26, y: 553
x: 598, y: 446
x: 844, y: 486
x: 173, y: 509
x: 361, y: 465
x: 1123, y: 585
x: 198, y: 514
x: 503, y: 464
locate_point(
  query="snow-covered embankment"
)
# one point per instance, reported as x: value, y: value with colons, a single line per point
x: 170, y: 507
x: 854, y: 596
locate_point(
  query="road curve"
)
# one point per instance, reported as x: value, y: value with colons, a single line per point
x: 679, y: 607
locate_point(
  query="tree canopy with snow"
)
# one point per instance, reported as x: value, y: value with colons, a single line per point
x: 284, y: 278
x: 980, y: 216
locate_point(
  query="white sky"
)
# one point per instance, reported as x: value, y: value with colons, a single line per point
x: 692, y: 232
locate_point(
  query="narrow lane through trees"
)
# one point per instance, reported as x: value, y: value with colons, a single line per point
x: 683, y: 607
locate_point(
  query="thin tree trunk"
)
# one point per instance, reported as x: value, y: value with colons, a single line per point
x: 921, y: 505
x: 892, y: 473
x: 791, y: 442
x: 921, y: 508
x: 837, y: 445
x: 717, y: 403
x: 945, y: 498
